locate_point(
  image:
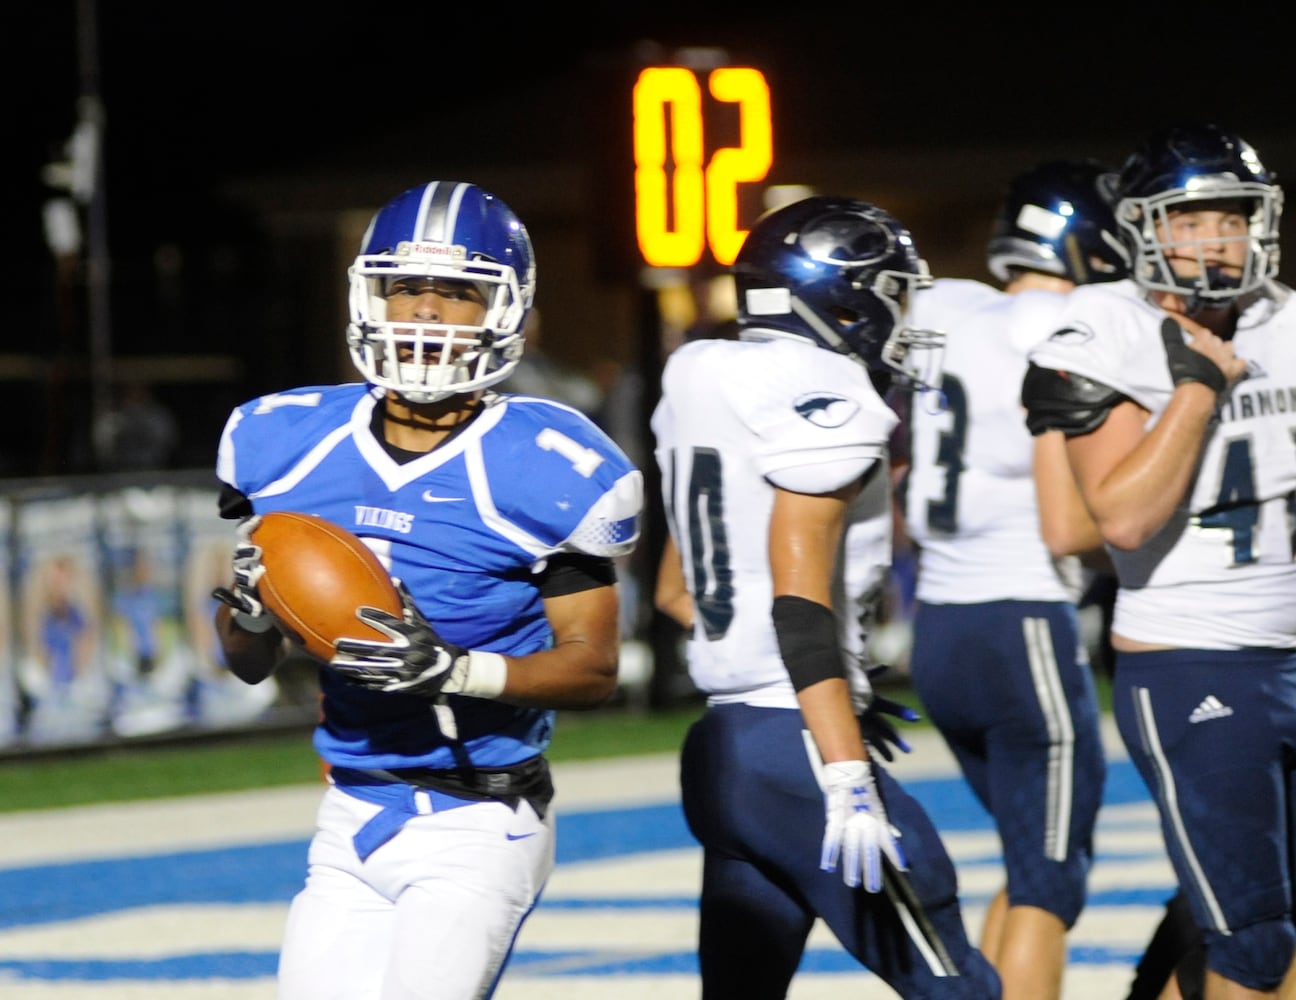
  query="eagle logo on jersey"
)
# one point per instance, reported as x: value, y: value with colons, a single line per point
x: 826, y: 409
x: 1072, y: 335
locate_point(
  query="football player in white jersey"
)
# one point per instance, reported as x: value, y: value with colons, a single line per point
x: 1177, y: 392
x: 773, y: 454
x: 500, y: 515
x: 997, y: 658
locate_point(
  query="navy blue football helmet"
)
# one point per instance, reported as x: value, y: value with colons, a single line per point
x: 838, y: 273
x: 448, y: 230
x: 1054, y: 219
x: 1177, y: 170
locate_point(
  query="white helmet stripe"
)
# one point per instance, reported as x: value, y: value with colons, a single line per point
x: 438, y: 211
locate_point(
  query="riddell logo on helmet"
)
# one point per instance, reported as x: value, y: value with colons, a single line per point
x: 430, y: 250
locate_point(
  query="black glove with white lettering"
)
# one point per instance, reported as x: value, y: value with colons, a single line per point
x: 1187, y: 365
x: 413, y: 659
x: 248, y: 612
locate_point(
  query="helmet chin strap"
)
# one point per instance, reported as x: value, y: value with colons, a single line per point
x: 1213, y: 278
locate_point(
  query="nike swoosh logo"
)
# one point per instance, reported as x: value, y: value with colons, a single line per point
x: 519, y: 836
x: 430, y: 498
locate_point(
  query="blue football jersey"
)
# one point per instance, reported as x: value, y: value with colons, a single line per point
x: 466, y: 527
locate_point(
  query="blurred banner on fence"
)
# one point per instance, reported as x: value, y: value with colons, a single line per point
x: 106, y: 616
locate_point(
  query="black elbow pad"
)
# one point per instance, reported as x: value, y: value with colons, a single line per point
x: 1066, y: 402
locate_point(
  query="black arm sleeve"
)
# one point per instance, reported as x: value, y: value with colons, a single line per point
x: 233, y: 504
x: 572, y: 572
x: 807, y: 638
x: 1066, y: 402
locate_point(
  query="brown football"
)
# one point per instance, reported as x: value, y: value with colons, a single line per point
x: 316, y: 575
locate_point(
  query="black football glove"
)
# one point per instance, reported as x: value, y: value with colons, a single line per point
x: 413, y: 659
x: 1187, y: 365
x: 878, y: 731
x: 249, y: 613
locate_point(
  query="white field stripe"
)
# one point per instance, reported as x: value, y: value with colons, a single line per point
x: 1127, y: 927
x: 1109, y: 876
x: 1081, y: 984
x: 220, y: 989
x: 151, y: 932
x: 137, y: 829
x: 1134, y: 814
x: 647, y: 780
x: 659, y: 875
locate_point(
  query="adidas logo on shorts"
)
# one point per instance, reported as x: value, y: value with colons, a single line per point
x: 1210, y: 708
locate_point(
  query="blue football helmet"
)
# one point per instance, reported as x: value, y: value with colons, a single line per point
x: 448, y: 230
x: 838, y: 273
x: 1177, y: 170
x: 1054, y: 219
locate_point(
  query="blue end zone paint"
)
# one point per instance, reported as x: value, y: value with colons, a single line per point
x: 208, y: 966
x: 257, y: 874
x: 260, y: 965
x: 591, y: 836
x: 273, y: 872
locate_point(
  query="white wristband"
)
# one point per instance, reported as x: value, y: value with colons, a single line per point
x: 487, y: 675
x: 256, y: 624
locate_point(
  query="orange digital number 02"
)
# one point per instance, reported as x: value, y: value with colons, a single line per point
x: 704, y: 196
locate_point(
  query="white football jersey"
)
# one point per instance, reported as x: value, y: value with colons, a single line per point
x: 969, y: 499
x: 735, y: 419
x: 1220, y: 574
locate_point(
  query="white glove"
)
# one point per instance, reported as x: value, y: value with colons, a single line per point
x: 249, y: 613
x: 857, y: 828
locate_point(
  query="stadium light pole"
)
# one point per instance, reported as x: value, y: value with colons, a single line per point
x: 76, y: 230
x: 88, y: 188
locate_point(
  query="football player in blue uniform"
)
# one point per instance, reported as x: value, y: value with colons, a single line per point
x: 997, y: 657
x: 773, y: 453
x: 500, y: 516
x: 1174, y: 390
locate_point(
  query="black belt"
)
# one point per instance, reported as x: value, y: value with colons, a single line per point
x: 529, y: 780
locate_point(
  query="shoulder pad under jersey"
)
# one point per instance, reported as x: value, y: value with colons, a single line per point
x: 1066, y: 402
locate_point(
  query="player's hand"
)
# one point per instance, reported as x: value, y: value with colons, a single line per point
x: 413, y: 659
x: 1204, y: 358
x: 858, y: 833
x: 249, y: 613
x: 878, y: 731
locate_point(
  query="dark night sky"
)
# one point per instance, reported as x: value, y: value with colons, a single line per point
x: 201, y: 97
x: 200, y: 93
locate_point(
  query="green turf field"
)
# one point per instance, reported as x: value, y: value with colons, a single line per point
x: 257, y: 760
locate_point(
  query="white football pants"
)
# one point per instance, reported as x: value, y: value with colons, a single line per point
x: 432, y: 913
